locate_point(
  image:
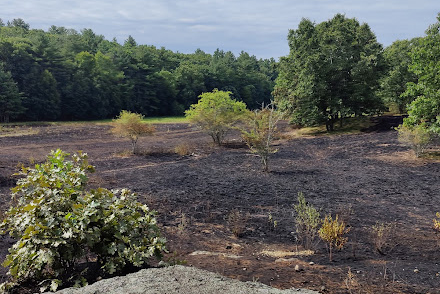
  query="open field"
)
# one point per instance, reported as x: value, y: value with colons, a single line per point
x: 202, y: 192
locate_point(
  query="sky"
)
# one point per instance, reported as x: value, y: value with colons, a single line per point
x: 258, y: 27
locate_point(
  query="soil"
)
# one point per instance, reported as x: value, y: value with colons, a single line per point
x: 205, y: 196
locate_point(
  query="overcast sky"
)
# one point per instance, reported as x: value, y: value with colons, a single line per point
x: 258, y: 27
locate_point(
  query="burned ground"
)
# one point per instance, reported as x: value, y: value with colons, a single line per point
x: 203, y: 195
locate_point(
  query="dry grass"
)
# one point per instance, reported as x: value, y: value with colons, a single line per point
x: 352, y: 125
x: 17, y: 131
x: 280, y: 254
x: 183, y: 149
x: 408, y: 158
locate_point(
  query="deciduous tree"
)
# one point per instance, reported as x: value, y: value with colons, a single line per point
x: 216, y: 113
x: 260, y: 130
x: 332, y: 72
x: 425, y: 64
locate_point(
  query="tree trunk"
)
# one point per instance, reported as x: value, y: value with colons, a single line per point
x: 265, y: 164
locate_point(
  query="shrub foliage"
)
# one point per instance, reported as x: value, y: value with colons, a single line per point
x: 332, y: 231
x: 417, y: 137
x: 259, y: 132
x: 216, y: 113
x: 130, y: 125
x: 58, y: 224
x: 307, y: 222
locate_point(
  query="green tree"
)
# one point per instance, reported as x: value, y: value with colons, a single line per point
x: 393, y: 84
x: 332, y: 72
x: 10, y: 97
x: 216, y: 113
x: 425, y: 64
x: 259, y: 132
x: 19, y: 23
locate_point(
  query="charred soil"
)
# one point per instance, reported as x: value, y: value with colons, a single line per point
x: 204, y: 193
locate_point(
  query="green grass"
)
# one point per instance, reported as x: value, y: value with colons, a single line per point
x: 153, y: 120
x: 166, y: 119
x: 352, y: 125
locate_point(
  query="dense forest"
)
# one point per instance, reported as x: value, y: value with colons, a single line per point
x: 335, y: 69
x: 63, y: 74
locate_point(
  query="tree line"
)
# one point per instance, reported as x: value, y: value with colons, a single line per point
x: 63, y: 74
x: 335, y: 69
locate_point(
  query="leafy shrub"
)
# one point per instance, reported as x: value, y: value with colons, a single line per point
x: 58, y: 224
x: 130, y: 125
x: 307, y: 222
x: 417, y: 137
x: 259, y: 133
x: 436, y: 222
x: 237, y: 222
x: 332, y: 231
x: 383, y: 235
x: 184, y: 149
x: 216, y: 113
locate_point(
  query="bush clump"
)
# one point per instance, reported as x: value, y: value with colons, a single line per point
x: 58, y: 225
x: 130, y: 125
x: 307, y: 222
x: 259, y: 132
x: 216, y: 113
x: 332, y: 231
x: 417, y: 137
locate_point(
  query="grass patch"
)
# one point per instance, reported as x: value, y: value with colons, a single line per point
x: 431, y: 154
x: 166, y: 119
x: 17, y: 131
x: 351, y: 125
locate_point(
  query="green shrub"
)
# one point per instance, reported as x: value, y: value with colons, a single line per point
x: 417, y: 137
x: 130, y: 125
x: 58, y: 224
x: 332, y: 231
x: 307, y: 222
x: 216, y: 113
x: 383, y: 235
x: 259, y: 132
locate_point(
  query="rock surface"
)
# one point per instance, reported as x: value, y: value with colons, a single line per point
x: 177, y: 279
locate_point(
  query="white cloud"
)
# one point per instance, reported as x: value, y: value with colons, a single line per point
x: 257, y: 27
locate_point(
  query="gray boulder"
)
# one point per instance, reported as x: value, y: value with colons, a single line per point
x: 177, y: 279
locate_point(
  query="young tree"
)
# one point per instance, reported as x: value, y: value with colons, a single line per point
x: 259, y: 132
x: 216, y: 113
x: 332, y: 231
x: 130, y: 125
x: 307, y: 222
x: 332, y: 72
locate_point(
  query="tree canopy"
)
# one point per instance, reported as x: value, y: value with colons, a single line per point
x: 63, y: 74
x: 397, y: 75
x: 216, y: 113
x: 331, y: 72
x: 425, y: 64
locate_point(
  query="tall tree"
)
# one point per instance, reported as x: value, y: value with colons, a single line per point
x: 393, y: 84
x: 332, y: 72
x: 10, y: 97
x: 425, y: 63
